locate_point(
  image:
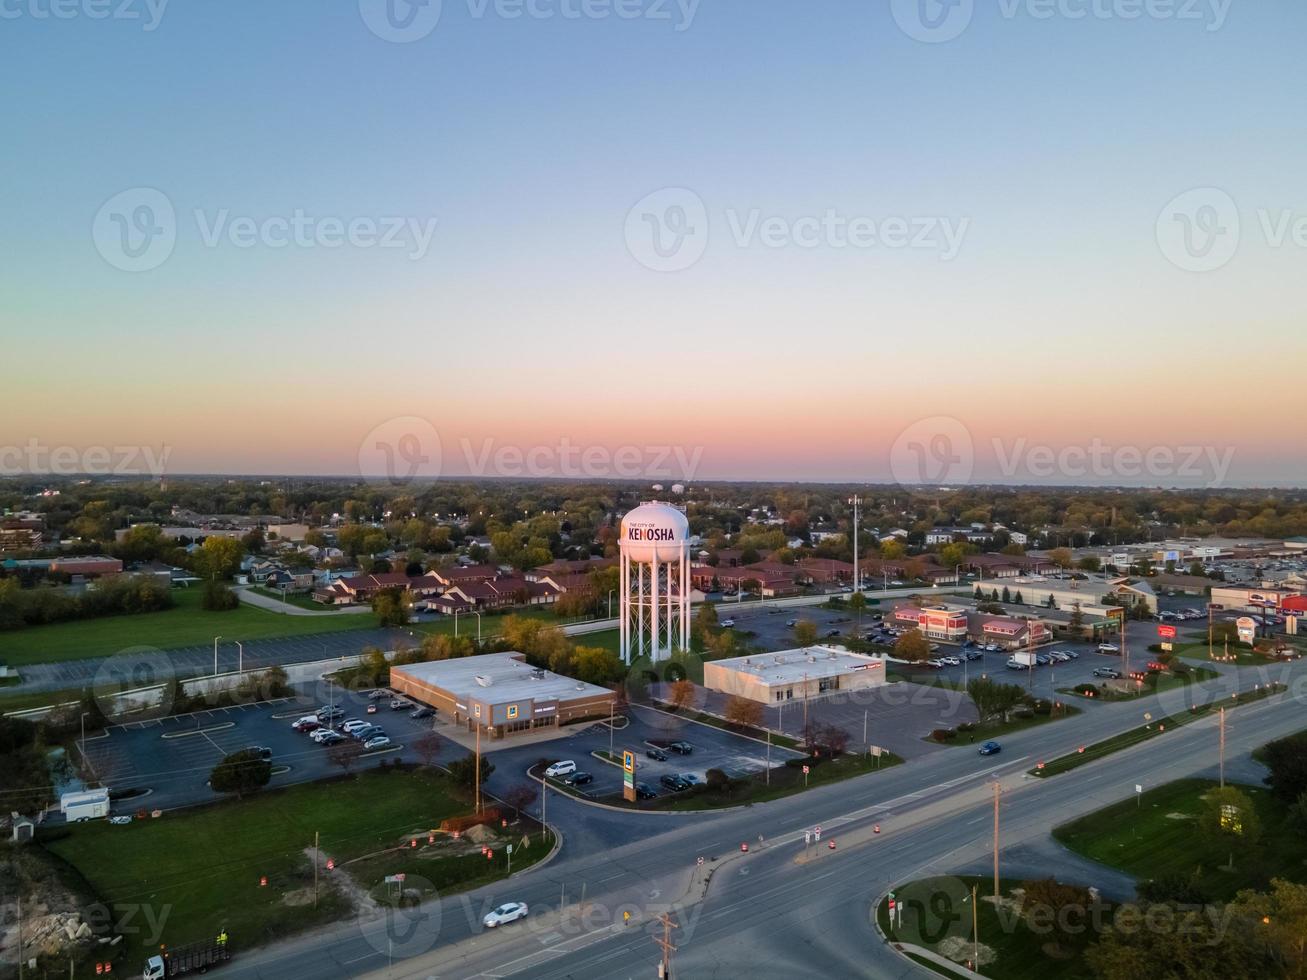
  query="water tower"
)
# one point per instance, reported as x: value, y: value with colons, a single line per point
x: 655, y: 582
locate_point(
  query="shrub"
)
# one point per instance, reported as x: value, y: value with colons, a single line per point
x: 967, y: 726
x: 943, y: 734
x: 1042, y: 707
x: 1089, y: 690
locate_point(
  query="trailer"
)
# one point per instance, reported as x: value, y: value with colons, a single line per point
x: 195, y: 958
x: 89, y: 804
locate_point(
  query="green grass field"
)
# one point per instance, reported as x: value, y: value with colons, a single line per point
x: 939, y: 910
x: 1156, y: 836
x: 203, y: 866
x: 186, y: 624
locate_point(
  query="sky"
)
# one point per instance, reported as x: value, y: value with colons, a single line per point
x: 1017, y: 241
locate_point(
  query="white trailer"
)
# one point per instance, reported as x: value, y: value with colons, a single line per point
x: 88, y: 804
x: 1026, y: 658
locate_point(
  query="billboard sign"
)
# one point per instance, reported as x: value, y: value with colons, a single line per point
x: 1166, y: 632
x: 1247, y: 627
x: 1170, y: 556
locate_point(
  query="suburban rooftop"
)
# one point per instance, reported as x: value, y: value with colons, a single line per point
x: 508, y: 675
x: 794, y: 665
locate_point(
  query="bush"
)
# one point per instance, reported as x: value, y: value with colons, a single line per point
x: 1042, y: 707
x: 967, y: 726
x: 1089, y: 690
x: 943, y: 734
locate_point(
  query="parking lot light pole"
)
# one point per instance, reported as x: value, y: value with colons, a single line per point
x: 215, y: 655
x: 478, y: 616
x: 240, y: 658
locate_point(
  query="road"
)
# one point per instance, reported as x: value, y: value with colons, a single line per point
x: 767, y: 913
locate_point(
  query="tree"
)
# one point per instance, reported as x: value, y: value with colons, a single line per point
x: 520, y: 796
x: 240, y: 773
x: 858, y: 604
x: 1286, y: 758
x: 993, y: 699
x: 427, y: 747
x: 217, y: 597
x: 1228, y: 818
x: 744, y: 712
x: 892, y: 550
x: 1077, y: 617
x: 220, y: 556
x: 830, y: 740
x: 912, y: 646
x: 393, y: 607
x: 1007, y: 594
x: 1060, y: 557
x: 1279, y: 920
x: 805, y: 633
x: 1090, y: 563
x: 717, y: 780
x: 463, y: 771
x: 1056, y: 902
x: 1196, y: 947
x: 682, y: 694
x: 345, y: 754
x: 1019, y: 599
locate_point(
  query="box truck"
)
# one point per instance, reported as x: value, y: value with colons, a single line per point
x: 195, y: 958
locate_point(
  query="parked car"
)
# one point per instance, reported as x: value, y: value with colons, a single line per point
x: 791, y: 623
x: 504, y: 914
x: 658, y: 755
x: 262, y: 751
x: 372, y: 709
x: 579, y: 779
x: 991, y: 748
x: 562, y: 768
x: 377, y: 742
x: 675, y: 783
x: 1043, y: 659
x: 951, y: 661
x: 681, y: 748
x: 1107, y: 672
x: 727, y: 624
x: 399, y: 704
x: 329, y: 737
x: 321, y: 734
x: 991, y: 648
x: 689, y: 778
x: 378, y: 694
x: 975, y: 655
x: 363, y: 734
x: 306, y: 725
x: 421, y: 713
x: 1071, y: 655
x: 1108, y: 648
x: 330, y: 714
x: 643, y: 791
x: 354, y: 724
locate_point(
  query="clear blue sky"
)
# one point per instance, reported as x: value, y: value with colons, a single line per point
x: 1058, y: 141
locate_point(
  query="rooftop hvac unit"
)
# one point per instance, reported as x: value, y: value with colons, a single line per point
x: 812, y: 660
x: 537, y: 674
x: 483, y: 681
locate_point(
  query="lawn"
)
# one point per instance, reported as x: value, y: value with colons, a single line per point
x: 1155, y: 836
x: 186, y: 624
x: 203, y: 866
x: 996, y: 728
x: 1155, y: 728
x: 1164, y: 682
x: 938, y: 913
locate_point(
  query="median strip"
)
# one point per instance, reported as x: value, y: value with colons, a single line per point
x: 1124, y: 740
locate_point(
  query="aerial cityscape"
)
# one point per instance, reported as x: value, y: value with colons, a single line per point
x: 577, y: 489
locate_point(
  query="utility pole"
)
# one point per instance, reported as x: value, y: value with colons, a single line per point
x: 477, y: 775
x: 805, y: 701
x: 997, y: 790
x: 612, y: 708
x: 18, y: 903
x: 975, y: 932
x: 315, y: 869
x: 1209, y: 630
x: 769, y: 756
x: 665, y: 967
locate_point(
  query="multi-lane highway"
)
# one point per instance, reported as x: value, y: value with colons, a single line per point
x: 769, y: 913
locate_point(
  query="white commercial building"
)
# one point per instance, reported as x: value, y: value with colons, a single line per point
x: 772, y: 678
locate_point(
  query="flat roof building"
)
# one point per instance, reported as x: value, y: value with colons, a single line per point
x: 785, y: 675
x: 500, y: 692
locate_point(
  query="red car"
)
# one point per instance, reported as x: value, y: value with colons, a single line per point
x: 306, y: 725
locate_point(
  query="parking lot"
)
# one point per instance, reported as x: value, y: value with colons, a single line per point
x: 171, y: 758
x: 714, y: 748
x: 772, y: 630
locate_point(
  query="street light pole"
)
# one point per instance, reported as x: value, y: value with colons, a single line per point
x: 215, y: 655
x: 240, y: 658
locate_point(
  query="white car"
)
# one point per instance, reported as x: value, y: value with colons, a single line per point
x: 727, y: 624
x: 508, y: 912
x: 1108, y: 648
x: 352, y: 726
x: 321, y: 735
x: 377, y: 742
x: 561, y: 768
